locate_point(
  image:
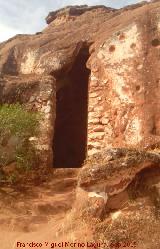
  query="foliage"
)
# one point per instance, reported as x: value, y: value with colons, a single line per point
x: 25, y: 156
x: 15, y: 120
x: 17, y: 124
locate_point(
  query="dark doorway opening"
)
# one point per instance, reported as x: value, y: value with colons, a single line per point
x: 70, y: 135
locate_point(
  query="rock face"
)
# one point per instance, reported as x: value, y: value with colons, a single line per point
x: 110, y: 172
x: 116, y: 53
x: 37, y: 94
x: 94, y: 75
x: 116, y: 167
x: 71, y: 12
x: 122, y: 64
x: 121, y: 189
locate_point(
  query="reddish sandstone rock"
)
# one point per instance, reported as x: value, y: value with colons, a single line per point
x: 108, y: 174
x: 121, y: 48
x: 100, y: 66
x: 71, y: 12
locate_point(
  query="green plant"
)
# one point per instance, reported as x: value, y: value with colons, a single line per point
x: 17, y: 125
x: 15, y: 120
x: 25, y: 156
x: 12, y: 178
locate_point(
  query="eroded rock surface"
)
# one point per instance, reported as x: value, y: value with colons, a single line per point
x: 115, y: 168
x: 123, y: 58
x: 71, y: 12
x: 36, y: 94
x: 121, y: 188
x: 119, y: 54
x: 110, y: 172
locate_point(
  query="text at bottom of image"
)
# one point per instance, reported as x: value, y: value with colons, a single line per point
x: 69, y: 245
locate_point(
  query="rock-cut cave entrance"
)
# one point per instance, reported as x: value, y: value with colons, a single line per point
x: 70, y: 135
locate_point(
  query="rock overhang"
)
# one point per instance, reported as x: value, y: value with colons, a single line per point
x: 50, y: 43
x: 119, y: 60
x: 73, y: 11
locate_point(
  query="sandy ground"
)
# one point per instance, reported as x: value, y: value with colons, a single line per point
x: 35, y: 213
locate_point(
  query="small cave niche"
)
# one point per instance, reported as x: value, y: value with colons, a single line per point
x: 138, y: 88
x: 155, y: 42
x: 144, y: 183
x: 133, y: 45
x: 70, y: 134
x: 112, y: 48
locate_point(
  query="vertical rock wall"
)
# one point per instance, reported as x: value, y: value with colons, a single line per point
x: 124, y: 84
x: 36, y: 93
x: 45, y: 103
x: 123, y: 92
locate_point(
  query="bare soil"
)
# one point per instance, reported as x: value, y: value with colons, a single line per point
x: 30, y: 213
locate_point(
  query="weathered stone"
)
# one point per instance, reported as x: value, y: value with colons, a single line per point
x: 117, y: 165
x: 120, y: 58
x: 94, y: 144
x: 48, y: 109
x: 32, y: 99
x: 94, y: 115
x: 93, y: 120
x: 93, y: 95
x: 114, y: 55
x: 93, y: 101
x: 93, y: 151
x: 96, y: 135
x: 98, y: 108
x: 26, y: 90
x: 66, y: 13
x: 99, y: 129
x: 107, y: 174
x: 104, y: 121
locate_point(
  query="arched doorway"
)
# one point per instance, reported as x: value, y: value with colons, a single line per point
x: 70, y: 135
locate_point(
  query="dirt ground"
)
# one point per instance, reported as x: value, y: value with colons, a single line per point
x: 35, y: 214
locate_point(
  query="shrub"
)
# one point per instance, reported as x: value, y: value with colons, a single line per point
x: 18, y: 124
x: 15, y: 120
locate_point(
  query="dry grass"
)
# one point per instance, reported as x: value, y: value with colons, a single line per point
x: 140, y: 226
